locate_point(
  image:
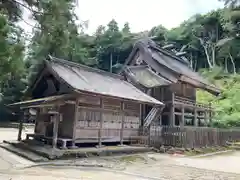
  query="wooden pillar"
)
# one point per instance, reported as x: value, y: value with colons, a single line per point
x: 123, y: 120
x: 172, y: 112
x: 36, y: 118
x: 141, y: 114
x: 55, y: 118
x: 160, y: 118
x: 162, y: 93
x: 210, y: 113
x: 100, y: 124
x: 182, y: 123
x: 205, y: 117
x: 20, y: 126
x: 195, y: 121
x: 76, y: 114
x: 210, y: 116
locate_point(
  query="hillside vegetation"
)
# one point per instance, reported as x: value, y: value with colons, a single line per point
x: 227, y: 104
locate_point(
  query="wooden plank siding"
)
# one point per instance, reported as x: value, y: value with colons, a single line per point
x: 65, y: 128
x: 66, y: 125
x: 89, y: 113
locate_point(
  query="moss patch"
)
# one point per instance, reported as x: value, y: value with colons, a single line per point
x: 132, y: 158
x: 206, y: 150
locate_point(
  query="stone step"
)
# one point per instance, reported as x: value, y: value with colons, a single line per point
x: 23, y: 153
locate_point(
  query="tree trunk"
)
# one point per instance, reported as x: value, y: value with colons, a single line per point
x: 208, y: 57
x: 195, y: 65
x: 213, y: 55
x: 232, y: 60
x: 206, y: 53
x: 191, y: 60
x: 111, y: 62
x: 226, y: 65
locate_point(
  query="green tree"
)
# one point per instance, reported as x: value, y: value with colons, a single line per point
x: 57, y: 34
x: 12, y: 66
x: 126, y: 29
x: 231, y: 3
x: 108, y: 44
x: 12, y: 48
x: 158, y: 33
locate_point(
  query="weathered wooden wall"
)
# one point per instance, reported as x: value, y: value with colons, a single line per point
x: 66, y: 125
x: 41, y: 123
x: 162, y: 93
x: 89, y: 119
x: 180, y: 89
x: 184, y: 90
x: 65, y: 128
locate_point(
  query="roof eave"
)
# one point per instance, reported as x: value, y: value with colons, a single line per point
x: 210, y: 88
x: 40, y: 102
x: 116, y: 97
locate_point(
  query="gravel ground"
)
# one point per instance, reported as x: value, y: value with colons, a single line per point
x: 134, y: 167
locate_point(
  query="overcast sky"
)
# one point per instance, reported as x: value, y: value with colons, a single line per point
x: 141, y: 14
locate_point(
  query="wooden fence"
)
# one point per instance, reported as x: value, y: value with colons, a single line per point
x: 188, y: 137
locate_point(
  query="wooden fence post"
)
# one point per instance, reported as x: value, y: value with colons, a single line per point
x: 20, y: 127
x: 100, y: 125
x: 123, y: 120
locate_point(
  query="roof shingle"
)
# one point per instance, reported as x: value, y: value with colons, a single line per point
x: 96, y: 81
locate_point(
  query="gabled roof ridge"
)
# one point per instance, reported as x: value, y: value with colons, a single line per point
x: 155, y: 46
x: 73, y: 64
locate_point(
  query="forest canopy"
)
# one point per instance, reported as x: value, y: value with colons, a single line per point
x: 211, y: 42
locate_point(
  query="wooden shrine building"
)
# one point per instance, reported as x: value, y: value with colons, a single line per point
x: 168, y: 78
x: 78, y: 104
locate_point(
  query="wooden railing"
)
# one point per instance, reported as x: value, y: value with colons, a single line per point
x: 181, y: 100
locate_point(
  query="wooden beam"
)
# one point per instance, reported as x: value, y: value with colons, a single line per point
x: 188, y: 105
x: 168, y: 46
x: 42, y: 73
x: 56, y: 118
x: 20, y: 127
x: 70, y: 102
x: 113, y: 97
x: 41, y: 105
x: 123, y: 120
x: 101, y: 125
x: 106, y: 110
x: 181, y: 53
x: 52, y: 112
x: 186, y: 114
